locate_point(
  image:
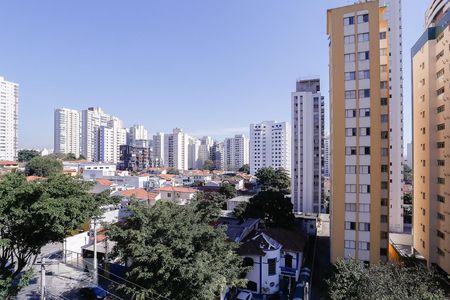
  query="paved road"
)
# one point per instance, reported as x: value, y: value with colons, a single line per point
x: 322, y: 266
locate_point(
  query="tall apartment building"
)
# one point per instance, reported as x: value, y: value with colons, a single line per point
x: 176, y: 150
x: 137, y: 136
x: 109, y: 140
x: 270, y: 146
x: 92, y: 119
x: 360, y: 105
x: 218, y: 155
x: 326, y: 156
x: 307, y: 121
x: 193, y: 153
x: 204, y: 151
x: 236, y: 152
x: 431, y: 138
x: 9, y: 119
x: 158, y: 150
x: 134, y: 158
x: 67, y: 124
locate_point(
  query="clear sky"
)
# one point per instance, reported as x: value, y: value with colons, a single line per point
x: 210, y: 67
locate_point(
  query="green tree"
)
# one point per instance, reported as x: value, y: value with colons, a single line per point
x: 407, y: 198
x: 27, y: 154
x: 81, y: 157
x: 172, y: 250
x: 228, y: 190
x: 271, y: 179
x: 208, y: 165
x: 245, y: 169
x: 271, y: 207
x: 70, y: 156
x: 407, y: 173
x: 33, y: 214
x: 43, y: 166
x: 173, y: 171
x: 352, y: 280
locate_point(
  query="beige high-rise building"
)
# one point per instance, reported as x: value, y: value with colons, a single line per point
x: 359, y: 136
x: 67, y: 131
x: 431, y: 138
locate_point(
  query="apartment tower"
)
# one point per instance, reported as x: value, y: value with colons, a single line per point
x: 359, y: 137
x: 67, y: 131
x: 431, y: 138
x: 307, y: 121
x: 236, y: 151
x: 9, y: 118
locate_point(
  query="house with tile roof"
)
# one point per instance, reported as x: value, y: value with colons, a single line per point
x: 177, y: 194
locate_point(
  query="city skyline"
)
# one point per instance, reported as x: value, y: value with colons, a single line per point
x: 111, y: 65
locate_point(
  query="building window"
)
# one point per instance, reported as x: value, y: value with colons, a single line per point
x: 384, y: 101
x: 350, y: 76
x: 350, y: 113
x: 364, y: 150
x: 441, y: 180
x: 364, y: 246
x: 384, y: 135
x: 252, y: 286
x: 383, y: 35
x: 440, y: 73
x: 364, y: 131
x: 364, y: 207
x: 440, y: 91
x: 441, y: 108
x: 350, y: 169
x: 288, y: 261
x: 272, y: 266
x: 350, y: 207
x: 364, y: 226
x: 349, y: 21
x: 350, y: 188
x: 384, y: 185
x: 383, y: 85
x: 364, y: 188
x: 350, y: 150
x: 350, y: 225
x: 364, y: 55
x: 440, y: 54
x: 348, y: 244
x: 248, y: 262
x: 363, y: 18
x: 349, y: 39
x: 440, y: 145
x: 441, y: 162
x: 364, y: 93
x: 384, y: 118
x: 440, y: 216
x: 363, y: 37
x: 440, y: 234
x: 364, y: 74
x: 350, y: 131
x: 350, y: 94
x: 383, y: 218
x: 440, y: 252
x: 364, y: 112
x: 441, y: 126
x: 364, y: 169
x: 349, y: 57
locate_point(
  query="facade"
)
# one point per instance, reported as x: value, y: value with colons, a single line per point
x: 137, y: 136
x: 176, y: 150
x: 236, y: 152
x: 92, y: 119
x: 158, y: 150
x: 67, y: 124
x: 204, y: 151
x: 108, y: 141
x: 193, y: 154
x: 360, y: 126
x: 307, y: 146
x: 218, y: 155
x: 326, y: 156
x: 134, y: 158
x: 270, y: 146
x: 9, y: 119
x: 431, y: 132
x: 409, y: 155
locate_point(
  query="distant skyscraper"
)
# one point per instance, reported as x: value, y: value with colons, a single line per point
x: 217, y: 155
x: 431, y: 133
x: 237, y: 152
x: 409, y: 155
x: 270, y: 146
x: 9, y: 118
x: 176, y: 150
x: 307, y: 146
x: 158, y: 150
x: 110, y: 138
x: 204, y: 151
x: 193, y: 153
x: 326, y: 156
x: 92, y: 119
x: 136, y: 135
x: 67, y: 136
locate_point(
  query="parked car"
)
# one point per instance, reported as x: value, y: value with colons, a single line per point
x: 244, y: 295
x: 93, y: 293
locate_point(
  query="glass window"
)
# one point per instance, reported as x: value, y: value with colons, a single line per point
x: 288, y: 261
x: 364, y: 55
x: 383, y: 35
x: 349, y: 21
x: 272, y: 266
x: 350, y: 57
x: 349, y: 39
x: 350, y: 76
x: 364, y: 74
x: 350, y: 94
x: 363, y: 18
x: 364, y: 93
x: 363, y: 37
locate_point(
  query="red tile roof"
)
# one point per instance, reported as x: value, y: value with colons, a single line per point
x: 104, y: 182
x: 139, y: 194
x: 8, y: 163
x: 177, y: 189
x: 34, y: 178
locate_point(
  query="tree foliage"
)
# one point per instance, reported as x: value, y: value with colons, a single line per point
x: 271, y: 207
x: 408, y: 198
x: 44, y: 166
x: 351, y: 280
x: 173, y: 250
x: 407, y: 173
x: 27, y: 154
x: 173, y: 171
x: 228, y: 190
x: 245, y: 169
x: 208, y: 165
x: 33, y: 214
x: 271, y: 179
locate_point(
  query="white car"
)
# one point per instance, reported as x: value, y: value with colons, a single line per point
x: 244, y: 295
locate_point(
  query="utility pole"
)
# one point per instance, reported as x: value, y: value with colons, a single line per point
x: 95, y: 252
x: 43, y: 279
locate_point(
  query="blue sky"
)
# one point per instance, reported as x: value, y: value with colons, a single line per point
x: 210, y: 67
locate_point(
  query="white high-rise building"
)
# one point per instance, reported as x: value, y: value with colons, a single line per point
x: 193, y: 153
x: 92, y: 119
x: 307, y: 146
x: 176, y: 150
x: 109, y: 140
x: 67, y: 131
x: 158, y: 150
x: 270, y: 146
x: 393, y: 16
x: 236, y: 152
x: 136, y: 135
x: 326, y: 156
x: 204, y: 151
x: 9, y: 117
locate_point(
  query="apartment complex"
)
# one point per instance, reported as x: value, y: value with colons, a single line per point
x: 360, y: 126
x: 137, y: 135
x: 236, y: 152
x: 307, y: 121
x: 326, y: 156
x: 176, y: 149
x: 431, y: 136
x: 67, y: 131
x: 134, y: 158
x: 108, y: 140
x: 9, y: 118
x: 270, y: 146
x: 158, y: 149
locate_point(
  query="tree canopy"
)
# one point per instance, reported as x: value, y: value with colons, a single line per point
x: 208, y: 165
x: 271, y: 207
x: 173, y: 250
x: 25, y: 155
x: 33, y: 214
x: 173, y: 171
x: 228, y: 190
x: 271, y: 179
x: 351, y: 280
x: 245, y: 169
x: 43, y: 166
